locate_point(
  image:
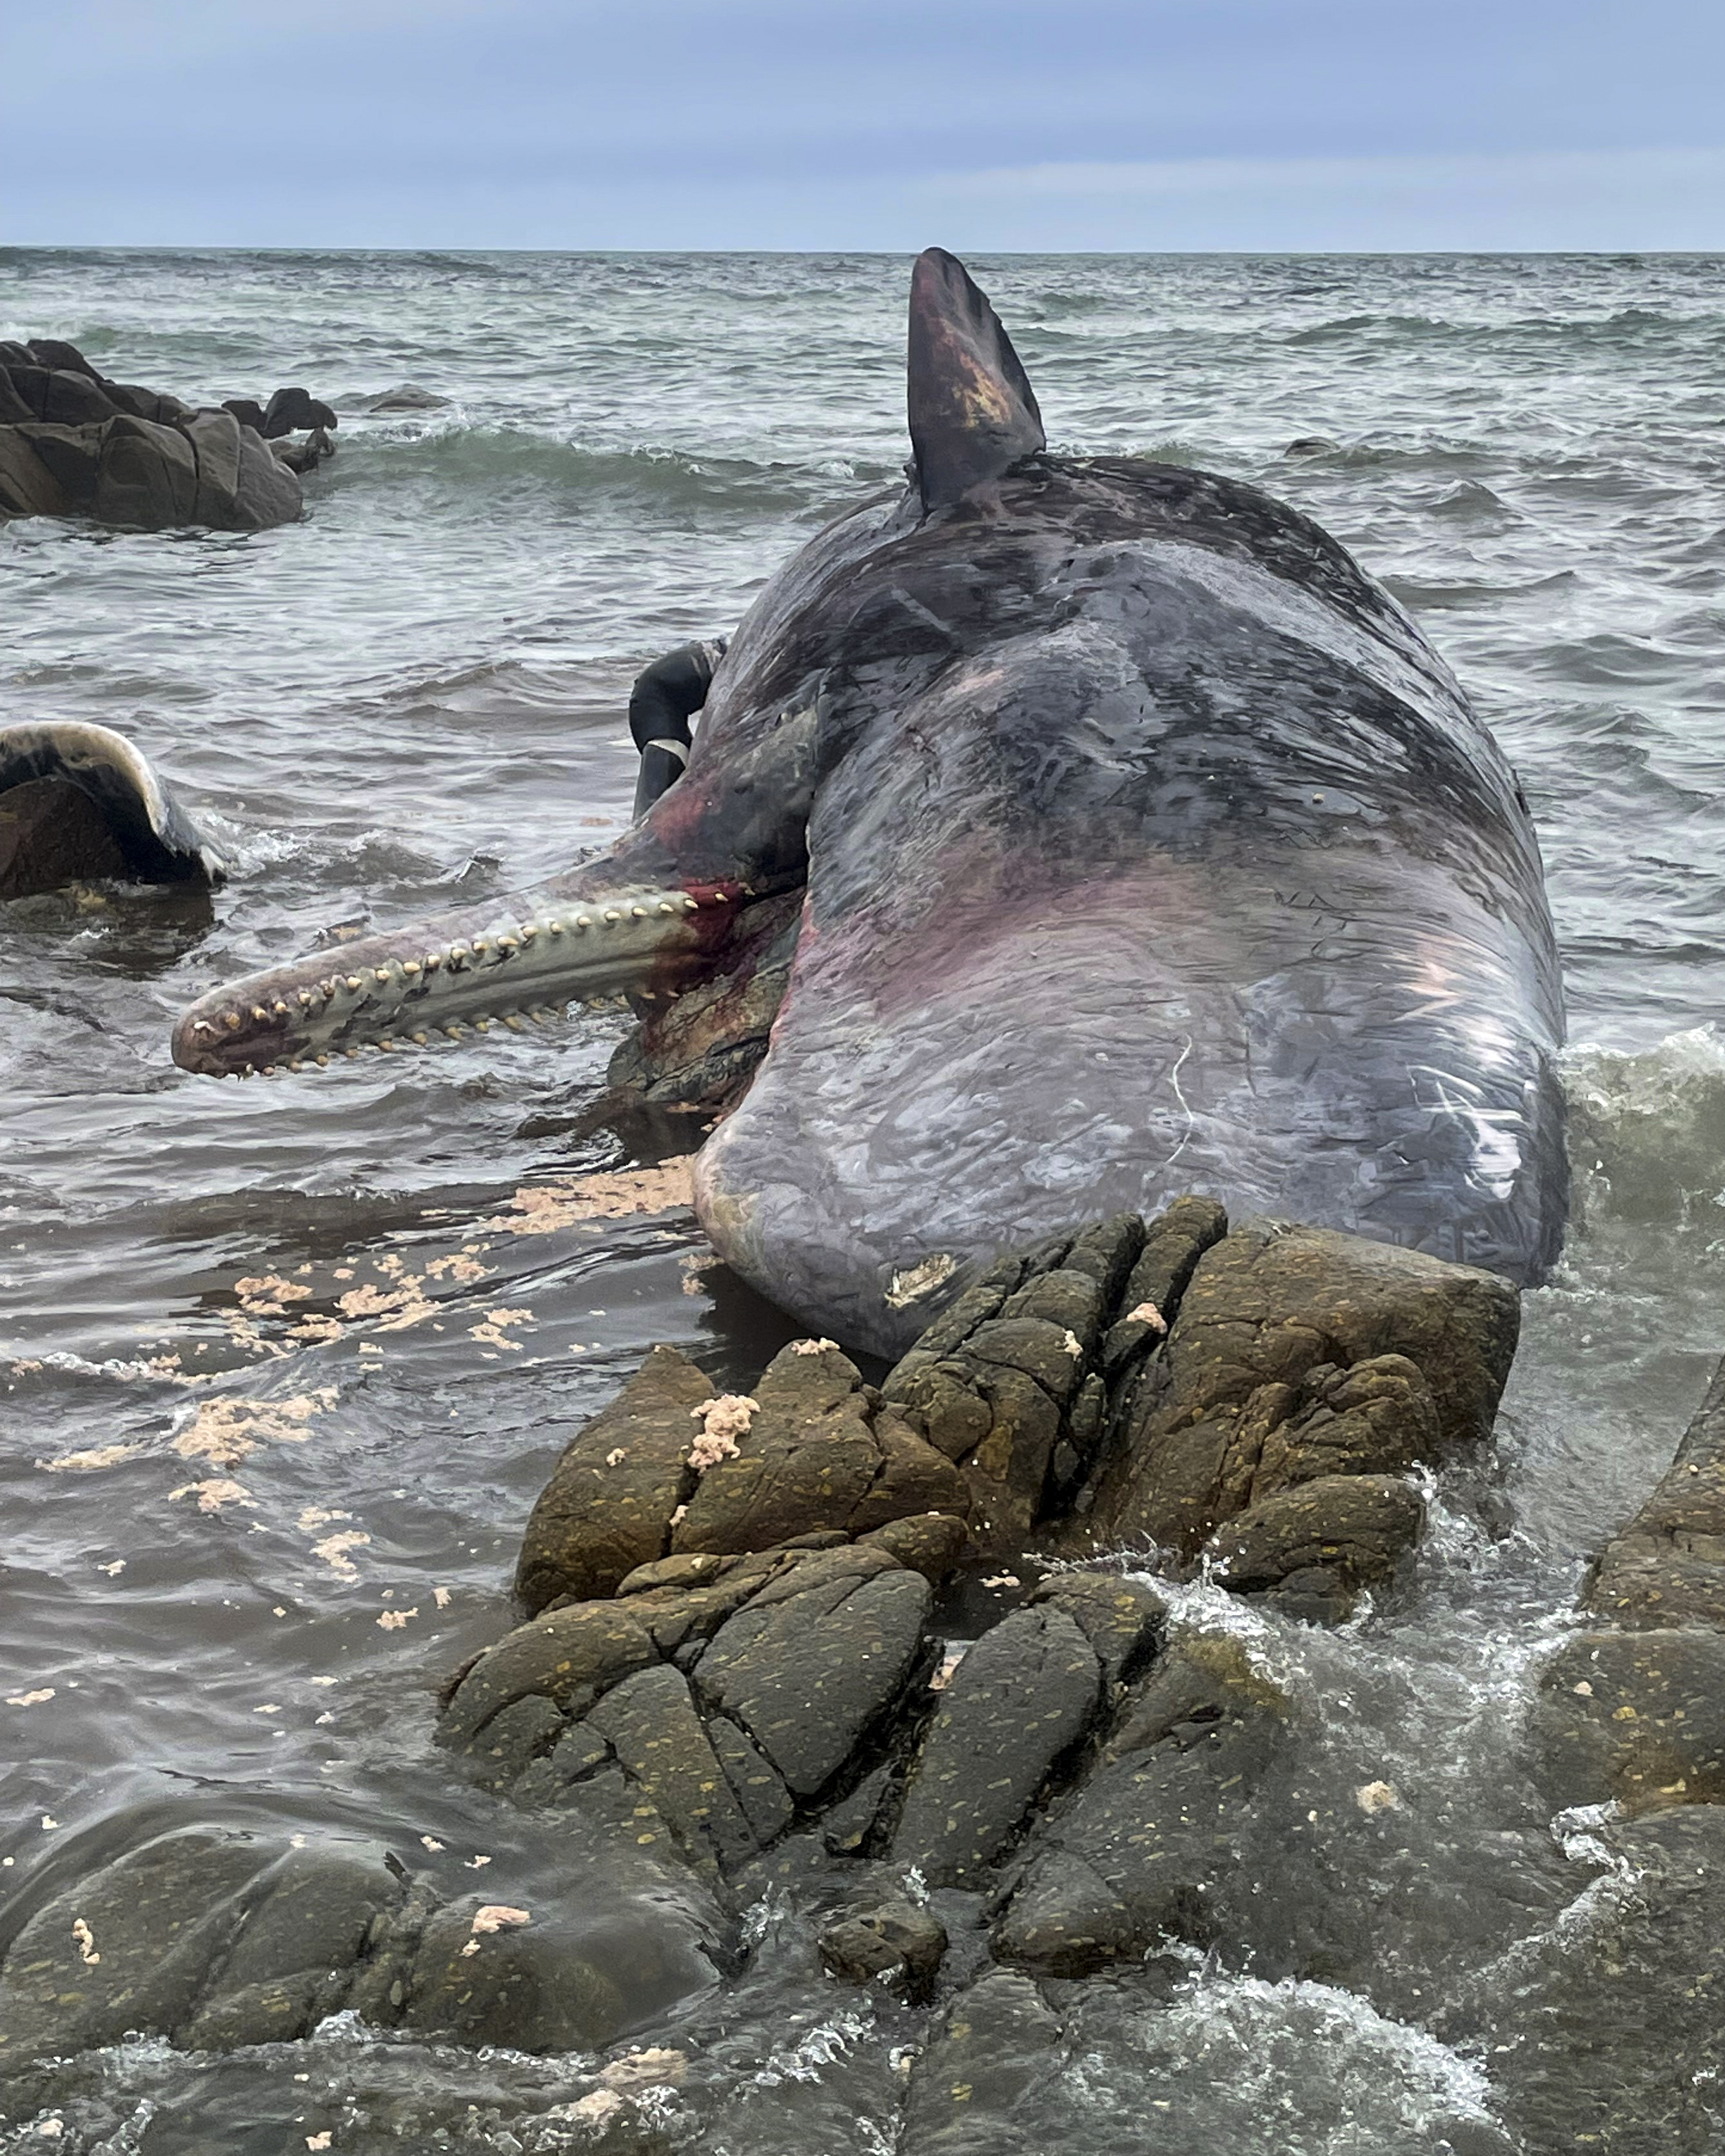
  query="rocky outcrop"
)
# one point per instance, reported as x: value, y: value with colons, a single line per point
x: 737, y: 1634
x: 215, y: 1939
x: 1302, y: 1369
x: 74, y: 443
x: 671, y: 1470
x: 747, y: 1659
x: 1634, y: 1711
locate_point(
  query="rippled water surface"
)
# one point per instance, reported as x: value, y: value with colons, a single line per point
x: 281, y: 1362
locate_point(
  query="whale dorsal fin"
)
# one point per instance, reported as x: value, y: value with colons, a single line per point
x: 973, y: 411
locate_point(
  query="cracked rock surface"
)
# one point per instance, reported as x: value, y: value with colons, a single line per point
x: 870, y: 1644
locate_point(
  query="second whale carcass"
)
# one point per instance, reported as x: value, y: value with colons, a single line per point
x: 1143, y: 845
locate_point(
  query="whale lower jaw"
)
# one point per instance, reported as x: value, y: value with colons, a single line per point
x: 517, y: 963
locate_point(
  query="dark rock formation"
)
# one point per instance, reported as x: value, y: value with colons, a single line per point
x: 734, y: 1668
x: 1297, y: 1356
x: 73, y: 443
x: 1020, y: 1701
x: 216, y: 1939
x: 894, y: 1940
x: 814, y: 1450
x: 1635, y: 1711
x: 1667, y: 1566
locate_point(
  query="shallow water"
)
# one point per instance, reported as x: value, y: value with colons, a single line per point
x: 214, y: 1496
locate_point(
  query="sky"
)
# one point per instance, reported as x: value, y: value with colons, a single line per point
x: 988, y: 126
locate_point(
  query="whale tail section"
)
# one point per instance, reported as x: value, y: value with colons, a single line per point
x: 79, y: 803
x: 973, y: 411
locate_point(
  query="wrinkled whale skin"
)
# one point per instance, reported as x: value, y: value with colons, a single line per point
x: 1150, y: 848
x: 1146, y: 848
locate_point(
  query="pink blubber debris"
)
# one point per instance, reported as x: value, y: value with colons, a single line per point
x: 723, y: 1420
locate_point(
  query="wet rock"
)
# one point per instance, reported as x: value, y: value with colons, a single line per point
x: 1609, y: 2036
x: 305, y: 454
x: 815, y: 1661
x: 567, y: 1659
x: 662, y: 1742
x: 995, y: 2044
x: 28, y: 485
x: 1312, y: 1548
x: 1138, y: 1852
x: 631, y: 1505
x: 526, y: 1986
x: 1123, y: 1620
x: 895, y: 1940
x: 1667, y: 1566
x: 1639, y: 1716
x: 292, y: 411
x: 1000, y: 1383
x: 1022, y: 1696
x: 407, y: 397
x: 203, y: 1936
x: 607, y: 1506
x: 147, y: 477
x: 74, y: 443
x: 1264, y: 1358
x: 816, y: 1455
x: 1172, y: 1245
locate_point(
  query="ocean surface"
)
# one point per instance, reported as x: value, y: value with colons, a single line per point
x: 237, y: 1439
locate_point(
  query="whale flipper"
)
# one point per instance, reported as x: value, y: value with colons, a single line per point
x: 79, y: 803
x: 972, y: 412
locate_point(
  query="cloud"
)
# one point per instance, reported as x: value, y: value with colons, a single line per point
x: 770, y: 123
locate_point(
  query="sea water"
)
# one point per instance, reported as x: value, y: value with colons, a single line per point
x: 282, y: 1366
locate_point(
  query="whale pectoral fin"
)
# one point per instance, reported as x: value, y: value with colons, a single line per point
x: 973, y: 411
x: 80, y: 802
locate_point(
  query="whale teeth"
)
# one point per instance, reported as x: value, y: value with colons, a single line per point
x: 556, y: 925
x: 232, y: 1020
x: 482, y: 1026
x: 479, y: 947
x: 666, y: 907
x: 321, y: 1061
x: 202, y: 1025
x: 354, y: 981
x: 352, y: 1054
x: 515, y: 1024
x: 306, y: 999
x: 453, y: 1032
x: 380, y: 973
x: 258, y: 1012
x: 611, y: 915
x: 583, y: 922
x: 280, y: 1010
x: 296, y: 1066
x: 410, y: 966
x: 432, y: 961
x: 506, y: 944
x: 638, y: 912
x: 422, y: 1038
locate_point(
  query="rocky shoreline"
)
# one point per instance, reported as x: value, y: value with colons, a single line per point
x: 743, y: 1663
x: 884, y: 1648
x: 74, y: 443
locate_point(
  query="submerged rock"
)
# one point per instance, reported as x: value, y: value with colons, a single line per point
x: 1667, y: 1566
x: 895, y: 1940
x: 217, y: 1939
